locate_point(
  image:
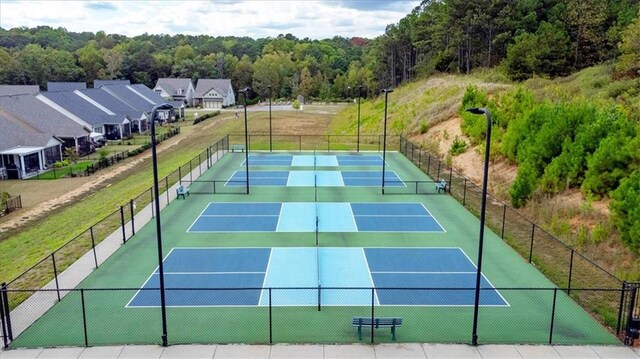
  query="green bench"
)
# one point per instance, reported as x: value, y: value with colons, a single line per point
x: 237, y: 148
x: 392, y: 323
x: 441, y: 186
x: 182, y: 191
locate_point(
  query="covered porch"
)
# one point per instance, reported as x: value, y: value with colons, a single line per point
x: 26, y: 161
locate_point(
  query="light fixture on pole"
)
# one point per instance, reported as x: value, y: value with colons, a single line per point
x: 359, y: 97
x: 270, y: 136
x: 483, y: 206
x: 156, y: 194
x: 384, y: 136
x: 245, y: 92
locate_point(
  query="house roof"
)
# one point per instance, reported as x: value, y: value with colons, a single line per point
x: 171, y: 85
x: 131, y: 98
x: 16, y: 132
x: 111, y: 102
x: 82, y: 108
x: 222, y: 86
x: 148, y: 93
x: 8, y: 90
x: 65, y: 86
x: 177, y: 104
x: 100, y: 83
x: 37, y: 114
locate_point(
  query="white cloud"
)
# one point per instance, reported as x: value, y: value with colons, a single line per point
x: 313, y: 19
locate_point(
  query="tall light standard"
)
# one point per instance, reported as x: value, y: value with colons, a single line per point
x: 480, y: 111
x: 156, y: 193
x: 359, y: 97
x: 384, y: 138
x: 245, y: 91
x: 270, y: 136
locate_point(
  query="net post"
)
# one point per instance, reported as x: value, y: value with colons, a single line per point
x: 319, y: 297
x: 570, y: 273
x: 55, y: 274
x: 553, y: 315
x: 133, y: 224
x: 533, y: 232
x: 214, y: 186
x: 504, y: 217
x: 93, y: 247
x: 124, y: 234
x: 270, y: 318
x: 84, y: 318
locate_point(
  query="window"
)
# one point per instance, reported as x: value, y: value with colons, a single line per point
x: 179, y: 91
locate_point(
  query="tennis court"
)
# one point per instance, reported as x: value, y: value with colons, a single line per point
x: 256, y: 268
x: 305, y: 216
x: 315, y: 178
x: 294, y: 264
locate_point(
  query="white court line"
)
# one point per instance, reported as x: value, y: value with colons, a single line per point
x: 377, y: 300
x: 279, y: 217
x: 264, y: 280
x: 487, y: 279
x: 145, y: 282
x: 200, y: 215
x: 230, y: 178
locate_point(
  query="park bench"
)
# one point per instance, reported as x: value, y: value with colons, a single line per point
x: 441, y: 186
x: 377, y: 323
x: 237, y: 148
x: 182, y: 191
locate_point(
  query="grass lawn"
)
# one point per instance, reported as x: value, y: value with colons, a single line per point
x: 77, y: 168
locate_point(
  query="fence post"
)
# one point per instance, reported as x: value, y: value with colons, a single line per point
x: 270, y: 319
x: 429, y: 166
x: 133, y: 223
x: 533, y: 231
x: 621, y: 306
x: 319, y: 294
x: 438, y: 175
x: 553, y: 314
x: 55, y: 274
x: 166, y: 184
x: 124, y: 233
x: 373, y: 296
x: 190, y: 172
x: 464, y: 193
x: 5, y: 338
x: 84, y: 318
x: 300, y: 143
x: 180, y: 175
x: 93, y: 247
x: 151, y: 192
x: 7, y: 311
x: 328, y: 143
x: 208, y: 157
x: 420, y: 158
x: 504, y: 216
x: 570, y: 273
x: 199, y: 165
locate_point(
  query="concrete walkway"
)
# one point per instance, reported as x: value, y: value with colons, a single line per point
x: 421, y: 351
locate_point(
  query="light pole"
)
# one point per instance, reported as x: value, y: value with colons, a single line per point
x: 245, y: 91
x: 156, y: 193
x: 359, y: 97
x: 270, y: 136
x: 384, y: 136
x: 480, y: 111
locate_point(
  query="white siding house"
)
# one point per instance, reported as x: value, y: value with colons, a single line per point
x: 216, y: 93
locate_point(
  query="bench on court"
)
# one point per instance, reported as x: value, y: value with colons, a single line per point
x: 441, y: 186
x: 182, y: 191
x: 237, y: 148
x: 377, y: 323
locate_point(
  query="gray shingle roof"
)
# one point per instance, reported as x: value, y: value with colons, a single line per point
x: 111, y: 102
x: 100, y: 83
x: 16, y: 132
x: 222, y: 86
x: 8, y: 90
x: 148, y: 93
x: 82, y: 108
x: 131, y: 98
x: 171, y: 85
x: 65, y: 86
x: 36, y: 113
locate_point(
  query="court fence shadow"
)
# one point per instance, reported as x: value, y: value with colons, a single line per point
x: 562, y: 264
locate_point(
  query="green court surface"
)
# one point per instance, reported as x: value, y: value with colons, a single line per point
x: 529, y: 317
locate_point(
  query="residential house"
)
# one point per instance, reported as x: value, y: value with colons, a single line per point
x: 112, y: 105
x: 148, y: 94
x: 37, y: 114
x: 176, y: 90
x: 216, y: 93
x: 24, y: 149
x: 100, y: 119
x: 100, y: 83
x: 65, y: 86
x: 134, y: 100
x: 8, y: 90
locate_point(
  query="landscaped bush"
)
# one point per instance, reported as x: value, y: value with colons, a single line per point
x: 62, y: 163
x: 205, y: 116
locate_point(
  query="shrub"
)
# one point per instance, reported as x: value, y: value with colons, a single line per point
x: 296, y: 104
x: 458, y: 146
x: 424, y: 127
x: 625, y: 207
x: 205, y: 116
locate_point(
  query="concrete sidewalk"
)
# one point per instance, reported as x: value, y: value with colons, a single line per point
x: 421, y: 351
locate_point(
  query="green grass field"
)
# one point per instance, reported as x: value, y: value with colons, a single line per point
x: 527, y: 320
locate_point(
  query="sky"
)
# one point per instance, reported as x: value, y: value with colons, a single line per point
x: 253, y: 18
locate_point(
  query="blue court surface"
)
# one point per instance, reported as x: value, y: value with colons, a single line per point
x: 447, y: 275
x: 305, y: 216
x: 314, y: 160
x: 315, y: 179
